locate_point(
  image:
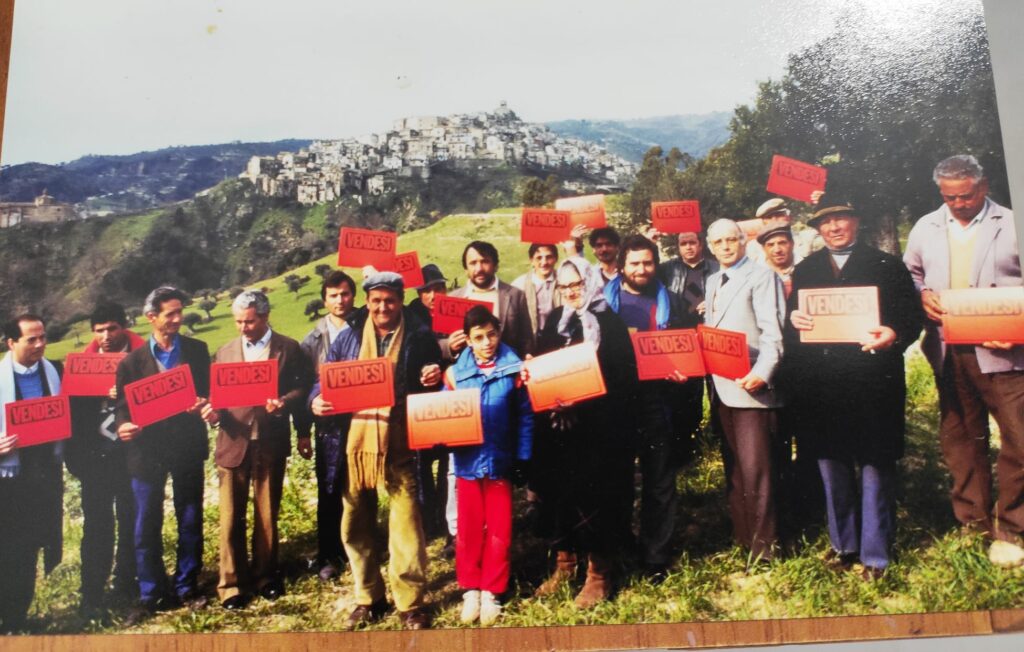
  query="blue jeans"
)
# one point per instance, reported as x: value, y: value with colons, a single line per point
x: 860, y: 519
x: 187, y: 484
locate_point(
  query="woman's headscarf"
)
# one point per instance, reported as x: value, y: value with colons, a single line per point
x: 593, y: 301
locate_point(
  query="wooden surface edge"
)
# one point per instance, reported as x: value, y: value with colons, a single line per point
x: 6, y: 31
x: 579, y: 637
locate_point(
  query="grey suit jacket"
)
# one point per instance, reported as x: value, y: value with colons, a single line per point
x: 753, y: 303
x: 514, y: 315
x: 996, y: 263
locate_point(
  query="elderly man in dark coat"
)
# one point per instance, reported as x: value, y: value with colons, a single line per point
x: 847, y: 400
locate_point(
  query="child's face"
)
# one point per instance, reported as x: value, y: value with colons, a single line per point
x: 484, y: 341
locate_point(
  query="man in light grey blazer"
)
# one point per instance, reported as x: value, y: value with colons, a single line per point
x: 970, y: 242
x: 747, y: 297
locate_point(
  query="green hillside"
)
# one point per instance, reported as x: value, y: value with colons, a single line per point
x: 441, y: 243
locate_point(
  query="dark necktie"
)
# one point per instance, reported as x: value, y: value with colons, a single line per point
x: 725, y: 279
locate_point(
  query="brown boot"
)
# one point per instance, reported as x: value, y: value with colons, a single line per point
x: 565, y: 570
x: 598, y: 586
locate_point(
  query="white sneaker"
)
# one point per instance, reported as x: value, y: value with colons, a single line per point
x: 470, y: 606
x: 490, y: 608
x: 1006, y: 554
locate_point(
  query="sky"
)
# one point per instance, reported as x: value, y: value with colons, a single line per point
x: 121, y: 76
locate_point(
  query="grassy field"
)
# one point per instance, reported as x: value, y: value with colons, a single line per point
x: 936, y: 567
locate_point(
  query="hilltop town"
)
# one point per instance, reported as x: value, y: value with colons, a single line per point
x: 366, y: 165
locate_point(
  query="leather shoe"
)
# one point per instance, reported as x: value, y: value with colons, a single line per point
x: 140, y: 613
x: 872, y: 574
x: 839, y: 561
x: 367, y: 614
x: 655, y: 574
x: 272, y: 590
x: 415, y: 618
x: 328, y: 572
x: 235, y: 602
x: 193, y: 599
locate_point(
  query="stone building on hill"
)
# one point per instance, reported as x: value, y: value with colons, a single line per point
x: 44, y: 209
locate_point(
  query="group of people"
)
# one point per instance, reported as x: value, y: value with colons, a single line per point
x: 809, y: 424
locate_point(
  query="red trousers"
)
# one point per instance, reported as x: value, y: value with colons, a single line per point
x: 484, y: 534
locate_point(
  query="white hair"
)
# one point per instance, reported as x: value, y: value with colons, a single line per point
x: 252, y: 299
x: 725, y: 223
x: 961, y: 166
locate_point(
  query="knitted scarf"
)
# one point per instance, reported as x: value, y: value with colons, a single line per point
x: 368, y: 435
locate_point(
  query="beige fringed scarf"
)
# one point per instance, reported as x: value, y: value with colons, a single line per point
x: 368, y: 435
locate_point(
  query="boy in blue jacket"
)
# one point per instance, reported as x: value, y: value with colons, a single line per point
x: 483, y: 472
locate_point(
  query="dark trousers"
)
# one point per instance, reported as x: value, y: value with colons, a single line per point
x: 749, y: 456
x: 687, y: 405
x: 107, y: 501
x: 433, y: 489
x: 19, y: 553
x: 187, y: 485
x: 966, y: 398
x: 328, y: 509
x: 658, y: 467
x: 860, y: 518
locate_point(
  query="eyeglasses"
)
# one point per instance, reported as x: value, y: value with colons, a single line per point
x: 571, y: 287
x: 729, y: 240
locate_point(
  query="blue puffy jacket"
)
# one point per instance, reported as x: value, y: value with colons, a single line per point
x: 506, y: 412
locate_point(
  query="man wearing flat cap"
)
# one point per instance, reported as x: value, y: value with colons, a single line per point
x: 847, y: 400
x: 773, y: 214
x: 777, y: 244
x: 377, y: 452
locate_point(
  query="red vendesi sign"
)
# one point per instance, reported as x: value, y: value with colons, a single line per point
x: 243, y: 384
x: 545, y: 226
x: 449, y: 311
x: 161, y: 396
x: 676, y: 216
x: 361, y: 247
x: 408, y: 265
x: 90, y: 374
x: 795, y: 179
x: 38, y: 420
x: 357, y: 384
x: 725, y: 352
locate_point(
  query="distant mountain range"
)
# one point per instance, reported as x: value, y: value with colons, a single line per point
x: 630, y: 139
x: 135, y: 182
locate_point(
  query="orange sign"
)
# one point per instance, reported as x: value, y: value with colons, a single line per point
x: 361, y: 247
x: 357, y: 384
x: 660, y: 353
x: 38, y: 420
x: 90, y: 374
x: 408, y: 265
x: 243, y: 384
x: 796, y: 179
x: 843, y: 314
x: 449, y: 312
x: 545, y: 226
x: 161, y: 396
x: 725, y: 352
x: 977, y: 315
x: 448, y: 418
x: 587, y: 209
x: 567, y: 375
x: 676, y: 216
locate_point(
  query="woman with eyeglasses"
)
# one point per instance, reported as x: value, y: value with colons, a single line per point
x: 583, y: 452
